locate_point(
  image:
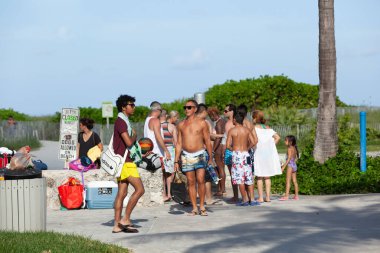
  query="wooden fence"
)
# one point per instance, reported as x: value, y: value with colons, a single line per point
x: 50, y: 131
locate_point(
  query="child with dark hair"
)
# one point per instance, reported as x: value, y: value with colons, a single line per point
x: 241, y: 172
x: 291, y: 172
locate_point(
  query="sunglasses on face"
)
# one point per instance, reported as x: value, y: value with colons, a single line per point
x: 132, y: 105
x: 225, y: 111
x: 188, y: 107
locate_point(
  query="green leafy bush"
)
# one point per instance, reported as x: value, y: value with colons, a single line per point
x: 286, y: 116
x: 5, y: 113
x: 264, y: 92
x: 337, y: 175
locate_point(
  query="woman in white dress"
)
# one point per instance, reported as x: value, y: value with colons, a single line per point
x: 266, y: 160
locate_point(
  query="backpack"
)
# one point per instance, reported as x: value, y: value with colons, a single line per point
x: 151, y: 162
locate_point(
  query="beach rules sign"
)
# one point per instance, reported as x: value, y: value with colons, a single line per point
x: 68, y: 134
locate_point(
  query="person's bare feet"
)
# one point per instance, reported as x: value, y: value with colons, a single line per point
x: 126, y: 223
x: 260, y: 200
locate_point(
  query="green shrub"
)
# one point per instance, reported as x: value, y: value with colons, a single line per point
x: 264, y: 92
x: 17, y: 143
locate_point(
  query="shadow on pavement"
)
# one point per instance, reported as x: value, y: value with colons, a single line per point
x: 318, y: 229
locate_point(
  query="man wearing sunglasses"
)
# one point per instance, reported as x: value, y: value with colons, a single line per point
x: 193, y: 137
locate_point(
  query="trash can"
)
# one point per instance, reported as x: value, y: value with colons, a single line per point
x: 23, y: 204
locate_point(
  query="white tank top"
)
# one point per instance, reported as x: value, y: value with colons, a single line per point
x: 150, y: 134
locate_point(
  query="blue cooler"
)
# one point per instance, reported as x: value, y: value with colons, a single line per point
x: 100, y: 194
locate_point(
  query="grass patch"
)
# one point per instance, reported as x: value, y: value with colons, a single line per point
x: 52, y: 242
x: 15, y: 144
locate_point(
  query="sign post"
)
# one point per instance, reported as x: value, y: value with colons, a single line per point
x: 107, y: 112
x: 68, y: 135
x: 363, y: 142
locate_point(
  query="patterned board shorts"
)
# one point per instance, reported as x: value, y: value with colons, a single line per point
x: 193, y: 161
x: 241, y: 171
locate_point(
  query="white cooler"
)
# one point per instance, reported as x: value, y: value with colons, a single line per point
x: 100, y: 194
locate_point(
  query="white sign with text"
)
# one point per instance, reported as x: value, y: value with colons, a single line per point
x: 68, y: 136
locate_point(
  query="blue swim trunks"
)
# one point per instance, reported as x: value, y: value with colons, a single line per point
x: 228, y: 157
x: 193, y: 161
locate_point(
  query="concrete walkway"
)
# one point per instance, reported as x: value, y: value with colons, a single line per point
x: 336, y: 223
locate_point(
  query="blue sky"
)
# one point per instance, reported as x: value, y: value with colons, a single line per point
x: 70, y: 53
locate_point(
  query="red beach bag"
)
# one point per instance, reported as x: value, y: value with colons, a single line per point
x: 71, y: 193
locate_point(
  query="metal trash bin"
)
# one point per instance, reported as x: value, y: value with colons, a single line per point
x: 23, y: 205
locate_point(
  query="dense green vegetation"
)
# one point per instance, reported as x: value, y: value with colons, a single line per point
x: 37, y: 242
x: 265, y: 92
x: 337, y: 175
x: 5, y: 113
x: 262, y: 93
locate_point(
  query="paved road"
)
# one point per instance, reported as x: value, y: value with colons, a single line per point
x: 336, y: 223
x: 48, y: 153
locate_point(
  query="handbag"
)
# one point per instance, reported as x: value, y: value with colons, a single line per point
x: 178, y: 190
x: 78, y: 166
x: 112, y: 163
x: 39, y: 165
x: 71, y: 193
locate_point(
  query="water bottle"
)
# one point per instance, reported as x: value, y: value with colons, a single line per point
x: 214, y: 176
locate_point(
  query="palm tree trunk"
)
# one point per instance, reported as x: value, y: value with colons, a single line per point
x: 326, y: 139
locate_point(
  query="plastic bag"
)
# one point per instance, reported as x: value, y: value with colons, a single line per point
x: 20, y: 161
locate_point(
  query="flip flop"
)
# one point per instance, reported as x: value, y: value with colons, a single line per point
x: 193, y: 213
x: 204, y: 212
x: 126, y: 225
x: 254, y: 203
x: 215, y: 202
x: 283, y: 199
x: 127, y: 229
x: 243, y: 204
x: 296, y: 198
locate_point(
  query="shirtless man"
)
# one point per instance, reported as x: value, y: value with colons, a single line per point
x: 193, y: 137
x: 202, y: 114
x: 241, y: 173
x: 229, y: 112
x: 218, y: 148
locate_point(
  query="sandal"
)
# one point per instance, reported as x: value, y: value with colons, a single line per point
x: 296, y: 198
x: 193, y: 213
x: 126, y: 229
x: 243, y: 204
x: 126, y: 225
x: 283, y: 198
x: 204, y: 212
